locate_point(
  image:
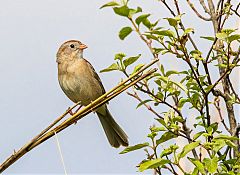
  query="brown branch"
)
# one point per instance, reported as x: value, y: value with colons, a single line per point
x: 204, y: 6
x: 222, y: 71
x: 213, y: 15
x: 196, y: 12
x: 43, y: 136
x: 143, y: 38
x: 135, y: 95
x: 233, y: 90
x: 219, y: 79
x: 177, y: 6
x: 219, y: 4
x: 236, y: 10
x: 181, y: 25
x: 217, y: 106
x: 186, y: 130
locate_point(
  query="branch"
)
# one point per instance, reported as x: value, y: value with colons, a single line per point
x: 135, y: 95
x: 43, y: 136
x: 177, y: 7
x: 204, y: 6
x: 219, y: 79
x: 233, y: 90
x: 236, y: 10
x: 196, y: 12
x: 213, y: 15
x: 181, y: 25
x: 217, y: 105
x: 186, y: 130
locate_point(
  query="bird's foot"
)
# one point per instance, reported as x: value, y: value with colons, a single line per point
x: 72, y: 113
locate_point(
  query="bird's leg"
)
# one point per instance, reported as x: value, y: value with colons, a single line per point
x: 72, y: 113
x: 78, y: 109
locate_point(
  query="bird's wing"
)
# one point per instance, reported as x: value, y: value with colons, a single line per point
x: 96, y: 77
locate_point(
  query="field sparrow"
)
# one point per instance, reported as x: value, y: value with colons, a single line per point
x: 80, y: 83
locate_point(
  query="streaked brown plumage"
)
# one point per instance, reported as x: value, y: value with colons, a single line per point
x: 80, y: 82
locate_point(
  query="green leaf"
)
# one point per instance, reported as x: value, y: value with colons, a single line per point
x: 150, y: 36
x: 143, y: 102
x: 211, y: 164
x: 137, y: 68
x: 231, y: 144
x: 165, y: 137
x: 130, y: 60
x: 198, y: 135
x: 172, y: 22
x: 221, y: 35
x: 166, y: 152
x: 122, y: 11
x: 170, y: 72
x: 112, y: 67
x: 124, y: 32
x: 141, y: 18
x: 233, y: 37
x: 147, y: 23
x: 152, y: 135
x: 169, y: 150
x: 119, y: 56
x: 157, y: 129
x: 195, y: 172
x: 188, y: 30
x: 135, y: 147
x: 187, y: 148
x: 151, y: 164
x: 134, y: 11
x: 178, y: 119
x: 180, y: 86
x: 222, y: 136
x: 208, y: 38
x: 198, y: 165
x: 218, y: 144
x: 158, y: 50
x: 228, y: 31
x: 161, y: 121
x: 168, y: 33
x: 182, y: 101
x: 110, y: 4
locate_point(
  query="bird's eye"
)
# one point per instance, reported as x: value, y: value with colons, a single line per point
x: 72, y: 46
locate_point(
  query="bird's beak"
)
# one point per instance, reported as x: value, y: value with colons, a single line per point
x: 83, y: 46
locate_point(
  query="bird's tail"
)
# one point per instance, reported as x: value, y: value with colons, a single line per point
x: 116, y: 136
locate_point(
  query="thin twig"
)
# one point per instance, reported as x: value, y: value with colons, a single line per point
x: 233, y: 90
x: 220, y: 4
x: 236, y: 10
x: 181, y: 25
x: 217, y: 106
x: 135, y: 95
x: 177, y: 6
x: 196, y: 12
x: 204, y: 6
x: 219, y: 79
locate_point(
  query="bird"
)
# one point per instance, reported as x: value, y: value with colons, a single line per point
x: 81, y: 84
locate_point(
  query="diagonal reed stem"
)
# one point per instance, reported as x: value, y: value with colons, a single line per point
x: 46, y: 134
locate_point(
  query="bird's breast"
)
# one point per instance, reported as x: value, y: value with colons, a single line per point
x: 77, y: 84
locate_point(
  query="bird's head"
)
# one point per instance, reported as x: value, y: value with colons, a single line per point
x: 69, y: 50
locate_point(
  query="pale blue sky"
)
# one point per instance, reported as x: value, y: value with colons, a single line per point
x: 31, y: 32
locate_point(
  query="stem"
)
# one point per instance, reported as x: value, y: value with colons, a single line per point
x: 43, y: 136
